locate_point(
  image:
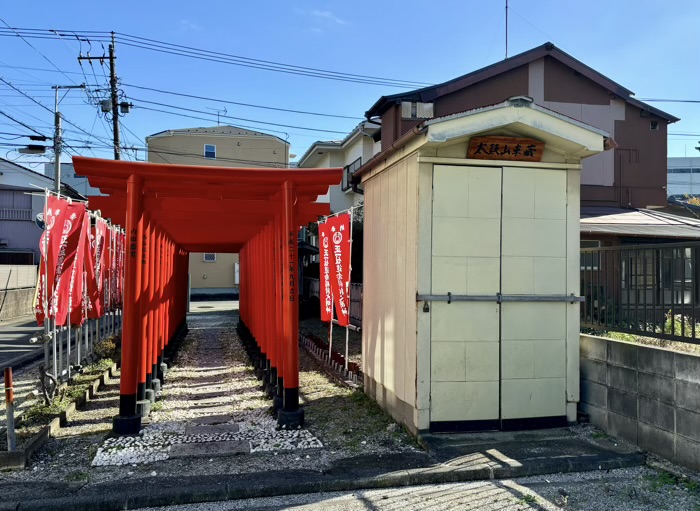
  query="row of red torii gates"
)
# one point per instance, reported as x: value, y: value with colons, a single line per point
x: 171, y: 210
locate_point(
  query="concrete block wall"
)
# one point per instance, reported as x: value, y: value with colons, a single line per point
x: 15, y: 303
x: 646, y: 395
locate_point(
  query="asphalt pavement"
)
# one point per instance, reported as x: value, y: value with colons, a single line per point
x: 14, y: 341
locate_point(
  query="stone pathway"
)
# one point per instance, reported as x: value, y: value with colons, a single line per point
x: 212, y: 406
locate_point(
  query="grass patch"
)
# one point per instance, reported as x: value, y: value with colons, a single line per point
x: 663, y: 479
x: 599, y: 435
x: 528, y: 499
x: 157, y: 406
x: 41, y: 414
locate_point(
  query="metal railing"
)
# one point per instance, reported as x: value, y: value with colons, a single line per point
x: 15, y: 214
x: 649, y: 290
x: 312, y: 288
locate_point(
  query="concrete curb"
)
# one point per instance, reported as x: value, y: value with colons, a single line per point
x: 167, y: 491
x: 18, y: 459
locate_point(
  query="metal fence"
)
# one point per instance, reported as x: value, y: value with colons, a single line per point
x: 649, y: 290
x: 312, y: 288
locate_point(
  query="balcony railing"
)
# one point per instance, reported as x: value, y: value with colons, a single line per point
x: 16, y: 214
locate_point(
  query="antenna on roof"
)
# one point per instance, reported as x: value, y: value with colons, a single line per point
x: 506, y: 28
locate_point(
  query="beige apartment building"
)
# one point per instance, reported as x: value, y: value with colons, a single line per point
x: 215, y: 274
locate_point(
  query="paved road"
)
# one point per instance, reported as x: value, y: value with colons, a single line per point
x: 14, y: 339
x: 213, y: 305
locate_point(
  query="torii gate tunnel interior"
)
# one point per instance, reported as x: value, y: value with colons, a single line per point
x: 171, y: 210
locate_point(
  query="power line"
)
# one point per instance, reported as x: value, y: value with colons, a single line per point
x: 238, y: 118
x: 670, y: 100
x: 36, y: 50
x: 47, y: 108
x: 220, y: 57
x: 21, y: 123
x: 228, y: 102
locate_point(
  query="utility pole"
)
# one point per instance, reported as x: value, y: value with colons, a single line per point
x: 58, y: 136
x: 114, y: 92
x: 115, y: 99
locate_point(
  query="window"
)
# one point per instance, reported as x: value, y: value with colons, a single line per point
x: 416, y: 110
x: 209, y: 257
x: 348, y: 171
x: 654, y: 125
x: 210, y: 151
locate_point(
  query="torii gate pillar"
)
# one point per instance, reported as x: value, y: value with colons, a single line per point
x: 128, y: 422
x: 290, y: 416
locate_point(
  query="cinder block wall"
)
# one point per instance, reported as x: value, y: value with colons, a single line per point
x: 645, y: 395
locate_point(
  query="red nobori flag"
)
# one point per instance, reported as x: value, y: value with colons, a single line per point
x: 78, y: 295
x: 49, y: 245
x: 339, y: 228
x: 325, y: 289
x: 70, y: 240
x: 98, y: 301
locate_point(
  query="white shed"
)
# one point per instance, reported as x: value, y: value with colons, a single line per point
x: 471, y: 270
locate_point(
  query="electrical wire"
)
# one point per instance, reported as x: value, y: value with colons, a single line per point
x: 47, y: 108
x: 39, y: 52
x: 219, y: 57
x: 193, y: 96
x: 237, y: 118
x: 22, y: 124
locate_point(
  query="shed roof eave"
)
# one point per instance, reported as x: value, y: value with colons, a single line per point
x: 581, y: 139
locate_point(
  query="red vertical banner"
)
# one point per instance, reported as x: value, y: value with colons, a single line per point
x: 77, y: 295
x: 70, y: 240
x: 49, y: 246
x: 325, y: 290
x: 339, y: 228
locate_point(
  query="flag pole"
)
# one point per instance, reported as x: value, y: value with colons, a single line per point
x: 330, y: 330
x: 347, y: 295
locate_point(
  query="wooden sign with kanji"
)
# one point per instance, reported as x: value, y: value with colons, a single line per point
x: 505, y: 148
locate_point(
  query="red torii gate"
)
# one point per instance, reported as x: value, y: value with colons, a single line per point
x: 171, y: 210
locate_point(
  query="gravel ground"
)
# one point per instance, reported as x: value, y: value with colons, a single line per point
x: 317, y: 327
x: 637, y: 489
x: 24, y: 380
x: 213, y: 361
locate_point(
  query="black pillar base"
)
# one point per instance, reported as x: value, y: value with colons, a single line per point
x: 126, y: 425
x: 151, y: 395
x: 143, y: 407
x: 293, y: 419
x: 276, y: 404
x: 291, y: 399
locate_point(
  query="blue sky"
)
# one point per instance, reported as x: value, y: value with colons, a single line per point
x: 650, y: 47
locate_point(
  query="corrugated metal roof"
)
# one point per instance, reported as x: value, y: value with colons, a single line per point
x: 638, y: 223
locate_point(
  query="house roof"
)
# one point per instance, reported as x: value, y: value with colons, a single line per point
x: 222, y: 130
x: 428, y: 94
x: 643, y: 223
x: 70, y: 191
x: 332, y: 145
